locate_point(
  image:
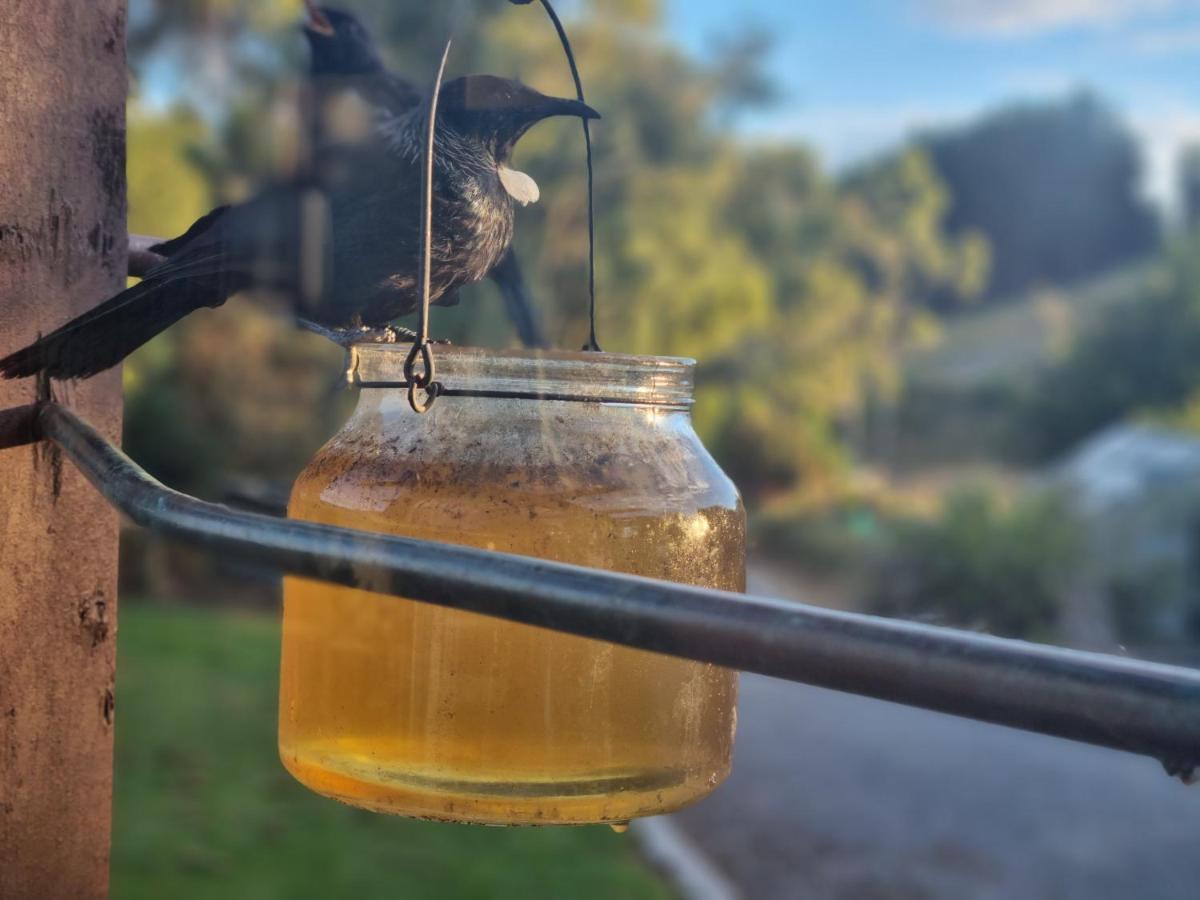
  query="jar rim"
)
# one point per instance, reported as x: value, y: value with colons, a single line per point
x: 564, y: 375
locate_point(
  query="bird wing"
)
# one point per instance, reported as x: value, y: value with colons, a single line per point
x: 250, y: 239
x: 201, y: 225
x: 517, y: 303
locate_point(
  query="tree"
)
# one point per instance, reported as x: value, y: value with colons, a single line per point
x: 845, y: 263
x: 1053, y: 186
x: 909, y: 202
x: 1142, y: 355
x: 1189, y: 184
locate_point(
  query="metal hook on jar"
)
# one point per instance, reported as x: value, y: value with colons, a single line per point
x: 420, y: 403
x: 423, y: 381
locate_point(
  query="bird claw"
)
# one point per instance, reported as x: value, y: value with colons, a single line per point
x: 348, y: 337
x: 393, y: 334
x: 388, y: 334
x: 364, y: 334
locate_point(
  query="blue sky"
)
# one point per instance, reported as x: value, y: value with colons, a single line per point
x: 860, y: 74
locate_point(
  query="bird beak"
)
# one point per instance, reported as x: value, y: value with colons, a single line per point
x: 556, y: 106
x: 317, y: 21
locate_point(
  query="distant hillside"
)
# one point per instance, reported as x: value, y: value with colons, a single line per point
x: 962, y: 399
x: 1013, y: 338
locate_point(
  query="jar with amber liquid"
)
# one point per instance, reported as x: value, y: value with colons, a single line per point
x: 414, y: 709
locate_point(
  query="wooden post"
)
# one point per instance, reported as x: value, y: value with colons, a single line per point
x: 62, y: 249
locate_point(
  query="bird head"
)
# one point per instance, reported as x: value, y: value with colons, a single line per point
x: 497, y: 112
x: 340, y: 43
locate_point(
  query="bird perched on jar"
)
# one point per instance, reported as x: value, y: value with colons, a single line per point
x: 352, y: 255
x: 353, y: 89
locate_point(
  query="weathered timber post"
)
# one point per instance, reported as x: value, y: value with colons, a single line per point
x: 62, y: 249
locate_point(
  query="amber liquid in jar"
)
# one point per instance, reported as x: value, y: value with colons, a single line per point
x: 404, y: 707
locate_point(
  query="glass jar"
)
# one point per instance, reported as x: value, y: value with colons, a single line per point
x: 414, y: 709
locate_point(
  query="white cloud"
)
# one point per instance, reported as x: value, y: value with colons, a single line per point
x: 1016, y: 18
x: 1168, y: 42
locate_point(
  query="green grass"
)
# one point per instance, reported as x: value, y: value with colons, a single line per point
x: 203, y: 808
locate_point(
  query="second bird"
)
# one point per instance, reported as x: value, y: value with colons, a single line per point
x: 353, y: 252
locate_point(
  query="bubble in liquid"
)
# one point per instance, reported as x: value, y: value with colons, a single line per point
x: 620, y: 827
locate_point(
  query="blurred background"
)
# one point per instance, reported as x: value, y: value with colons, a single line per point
x: 940, y: 263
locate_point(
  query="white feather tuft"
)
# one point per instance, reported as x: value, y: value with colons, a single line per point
x: 520, y: 186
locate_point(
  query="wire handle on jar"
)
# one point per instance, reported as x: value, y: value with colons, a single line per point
x: 593, y: 343
x: 422, y: 348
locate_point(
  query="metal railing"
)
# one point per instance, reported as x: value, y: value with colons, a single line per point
x: 1111, y: 701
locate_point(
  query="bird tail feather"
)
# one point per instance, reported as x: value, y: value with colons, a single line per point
x: 517, y: 303
x: 102, y: 337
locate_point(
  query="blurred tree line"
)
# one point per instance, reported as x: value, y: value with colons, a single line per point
x: 1055, y: 186
x: 793, y: 290
x: 798, y: 291
x: 1142, y: 357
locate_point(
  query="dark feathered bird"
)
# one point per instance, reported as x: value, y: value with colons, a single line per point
x: 346, y: 59
x: 355, y: 252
